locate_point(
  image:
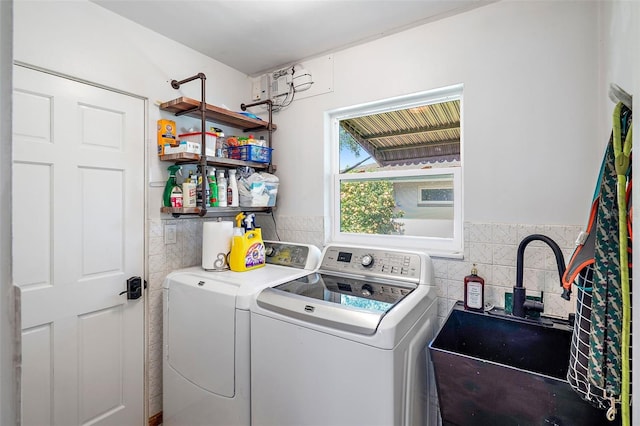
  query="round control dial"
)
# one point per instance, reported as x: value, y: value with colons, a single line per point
x: 367, y: 261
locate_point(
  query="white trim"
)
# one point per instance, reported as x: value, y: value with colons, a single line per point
x: 429, y: 97
x: 444, y: 247
x: 439, y: 245
x: 10, y: 334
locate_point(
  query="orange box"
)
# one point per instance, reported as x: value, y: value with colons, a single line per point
x: 166, y: 134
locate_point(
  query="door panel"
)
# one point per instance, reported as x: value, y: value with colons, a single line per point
x: 102, y: 226
x: 78, y: 226
x: 100, y: 346
x: 39, y: 233
x: 32, y: 116
x: 37, y: 375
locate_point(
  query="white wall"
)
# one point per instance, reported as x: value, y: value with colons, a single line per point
x: 8, y: 394
x: 531, y: 148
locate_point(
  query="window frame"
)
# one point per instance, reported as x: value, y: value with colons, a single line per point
x: 447, y: 247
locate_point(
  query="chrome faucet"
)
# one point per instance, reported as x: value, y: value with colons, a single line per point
x: 520, y: 303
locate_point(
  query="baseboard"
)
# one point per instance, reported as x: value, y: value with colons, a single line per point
x: 156, y: 419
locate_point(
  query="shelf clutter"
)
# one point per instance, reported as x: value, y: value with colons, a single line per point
x: 205, y: 191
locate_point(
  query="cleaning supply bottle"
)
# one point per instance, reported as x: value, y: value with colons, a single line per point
x: 222, y: 189
x: 474, y: 291
x: 213, y: 188
x: 247, y: 249
x: 189, y: 192
x: 197, y: 179
x: 171, y: 182
x: 233, y: 197
x: 238, y: 230
x: 176, y: 197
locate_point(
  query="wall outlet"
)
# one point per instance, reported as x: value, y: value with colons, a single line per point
x: 170, y: 234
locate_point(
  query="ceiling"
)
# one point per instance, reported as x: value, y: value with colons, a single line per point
x: 259, y: 36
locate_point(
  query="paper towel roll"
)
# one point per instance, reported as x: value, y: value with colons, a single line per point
x: 216, y: 244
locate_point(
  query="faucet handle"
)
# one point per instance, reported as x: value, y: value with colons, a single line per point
x: 533, y: 305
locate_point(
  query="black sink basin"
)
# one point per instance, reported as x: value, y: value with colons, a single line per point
x: 500, y: 370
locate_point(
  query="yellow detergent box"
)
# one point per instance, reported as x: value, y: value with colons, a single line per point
x: 166, y: 134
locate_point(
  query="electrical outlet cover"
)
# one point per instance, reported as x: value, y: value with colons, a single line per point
x: 170, y: 234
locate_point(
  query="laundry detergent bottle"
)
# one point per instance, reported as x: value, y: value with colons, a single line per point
x: 247, y: 248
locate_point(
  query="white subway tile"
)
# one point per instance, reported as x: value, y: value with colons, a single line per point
x: 480, y: 232
x: 480, y: 253
x: 504, y: 233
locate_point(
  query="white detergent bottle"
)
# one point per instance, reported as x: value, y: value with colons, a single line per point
x: 234, y: 200
x: 189, y: 192
x: 222, y: 189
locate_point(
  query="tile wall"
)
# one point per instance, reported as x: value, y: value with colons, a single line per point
x: 491, y: 246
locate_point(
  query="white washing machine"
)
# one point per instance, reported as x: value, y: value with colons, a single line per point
x: 346, y: 344
x: 206, y: 331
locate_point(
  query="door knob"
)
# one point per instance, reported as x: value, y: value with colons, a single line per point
x: 134, y: 288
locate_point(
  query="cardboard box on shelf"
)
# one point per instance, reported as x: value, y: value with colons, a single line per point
x: 189, y: 147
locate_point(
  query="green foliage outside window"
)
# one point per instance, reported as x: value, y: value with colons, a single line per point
x: 368, y: 207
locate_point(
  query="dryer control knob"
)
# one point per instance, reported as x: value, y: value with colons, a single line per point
x: 367, y: 261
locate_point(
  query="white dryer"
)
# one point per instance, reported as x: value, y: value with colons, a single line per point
x: 346, y: 344
x: 206, y: 331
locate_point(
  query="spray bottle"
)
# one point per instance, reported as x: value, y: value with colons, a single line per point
x: 171, y: 183
x: 213, y: 188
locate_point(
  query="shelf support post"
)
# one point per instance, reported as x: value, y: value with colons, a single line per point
x: 269, y: 104
x: 203, y: 129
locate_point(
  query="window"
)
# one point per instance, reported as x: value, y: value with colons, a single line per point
x: 438, y: 192
x: 396, y: 172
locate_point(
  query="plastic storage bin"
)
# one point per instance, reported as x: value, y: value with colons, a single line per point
x: 259, y: 154
x: 210, y: 138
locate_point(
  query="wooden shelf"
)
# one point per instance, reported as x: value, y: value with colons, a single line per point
x: 190, y: 107
x: 214, y: 211
x: 188, y: 157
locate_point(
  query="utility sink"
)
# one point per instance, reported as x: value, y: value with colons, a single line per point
x: 495, y: 369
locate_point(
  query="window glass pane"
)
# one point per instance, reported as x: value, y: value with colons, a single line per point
x: 420, y: 206
x: 397, y: 172
x: 405, y: 138
x: 352, y: 155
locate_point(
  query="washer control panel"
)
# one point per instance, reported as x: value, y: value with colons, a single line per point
x: 390, y: 264
x: 293, y: 255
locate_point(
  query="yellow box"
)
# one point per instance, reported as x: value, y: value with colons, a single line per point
x: 166, y: 134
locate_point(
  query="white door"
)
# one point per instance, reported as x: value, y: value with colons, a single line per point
x: 78, y: 232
